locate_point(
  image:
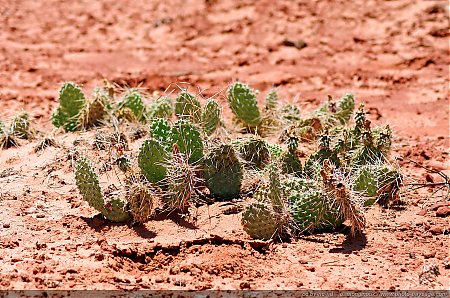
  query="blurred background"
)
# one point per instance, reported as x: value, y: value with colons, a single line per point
x: 392, y: 54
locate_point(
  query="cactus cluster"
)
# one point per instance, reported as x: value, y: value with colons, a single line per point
x: 19, y: 128
x: 299, y: 187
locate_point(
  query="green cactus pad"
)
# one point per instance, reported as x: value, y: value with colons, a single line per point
x: 20, y: 126
x: 161, y: 130
x: 258, y: 221
x: 116, y: 209
x: 345, y: 107
x: 310, y: 206
x: 71, y: 104
x: 255, y: 151
x: 151, y: 160
x: 291, y: 163
x: 162, y: 107
x: 133, y: 100
x: 276, y: 151
x: 290, y: 113
x: 272, y: 100
x: 142, y: 201
x: 210, y: 116
x: 87, y: 182
x: 188, y: 107
x: 377, y: 182
x: 242, y: 100
x: 188, y: 138
x: 223, y: 172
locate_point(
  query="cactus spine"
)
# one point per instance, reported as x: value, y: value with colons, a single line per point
x: 71, y: 104
x: 210, y: 116
x: 242, y: 100
x: 223, y: 172
x: 188, y: 107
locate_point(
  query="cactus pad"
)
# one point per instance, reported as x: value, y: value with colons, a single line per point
x: 258, y: 221
x: 162, y: 107
x: 151, y: 160
x: 242, y: 100
x: 210, y: 116
x: 71, y: 104
x: 187, y: 137
x: 188, y: 107
x: 223, y: 172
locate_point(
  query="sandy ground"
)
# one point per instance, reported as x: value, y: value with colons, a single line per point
x: 393, y: 55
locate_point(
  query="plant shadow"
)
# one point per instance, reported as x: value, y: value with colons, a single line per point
x: 351, y: 244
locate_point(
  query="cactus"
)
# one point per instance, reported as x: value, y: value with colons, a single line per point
x: 290, y: 114
x: 223, y: 172
x: 345, y: 107
x: 255, y: 151
x: 161, y: 130
x: 318, y: 157
x: 258, y: 220
x: 271, y: 100
x: 290, y: 161
x: 162, y: 107
x: 152, y: 159
x: 188, y: 107
x: 379, y: 183
x: 71, y: 104
x: 187, y: 137
x: 182, y: 181
x: 276, y: 151
x: 242, y: 100
x: 87, y: 182
x: 142, y: 200
x: 95, y: 109
x: 133, y: 101
x: 210, y: 116
x: 20, y: 126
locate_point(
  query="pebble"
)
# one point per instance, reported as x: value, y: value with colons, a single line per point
x: 244, y: 285
x: 422, y: 212
x: 438, y: 205
x: 40, y: 215
x: 364, y: 259
x: 443, y: 211
x: 429, y: 254
x: 159, y: 279
x: 6, y: 225
x: 437, y: 229
x: 311, y: 268
x: 403, y: 269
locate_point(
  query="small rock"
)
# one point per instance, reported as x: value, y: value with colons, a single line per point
x: 437, y: 229
x: 311, y: 268
x: 364, y: 259
x: 447, y: 264
x: 6, y: 225
x: 40, y: 215
x: 174, y: 270
x: 403, y: 269
x: 159, y: 279
x: 429, y: 178
x: 244, y: 285
x: 443, y: 211
x: 326, y: 245
x: 429, y: 254
x: 179, y: 282
x: 422, y: 212
x: 438, y: 205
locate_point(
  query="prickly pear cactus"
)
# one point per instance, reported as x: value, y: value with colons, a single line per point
x: 272, y: 100
x: 133, y: 100
x: 188, y: 138
x: 290, y: 161
x: 87, y: 182
x: 71, y: 104
x: 188, y: 107
x: 162, y: 107
x: 20, y: 126
x: 95, y: 110
x: 223, y: 172
x: 344, y: 109
x: 377, y: 183
x: 276, y: 151
x: 152, y: 159
x: 318, y: 157
x: 161, y: 130
x: 210, y: 116
x: 242, y: 100
x: 310, y: 207
x: 142, y: 201
x: 255, y: 151
x: 290, y: 114
x: 258, y: 220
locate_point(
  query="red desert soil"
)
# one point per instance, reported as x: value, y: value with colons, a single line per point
x: 392, y: 54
